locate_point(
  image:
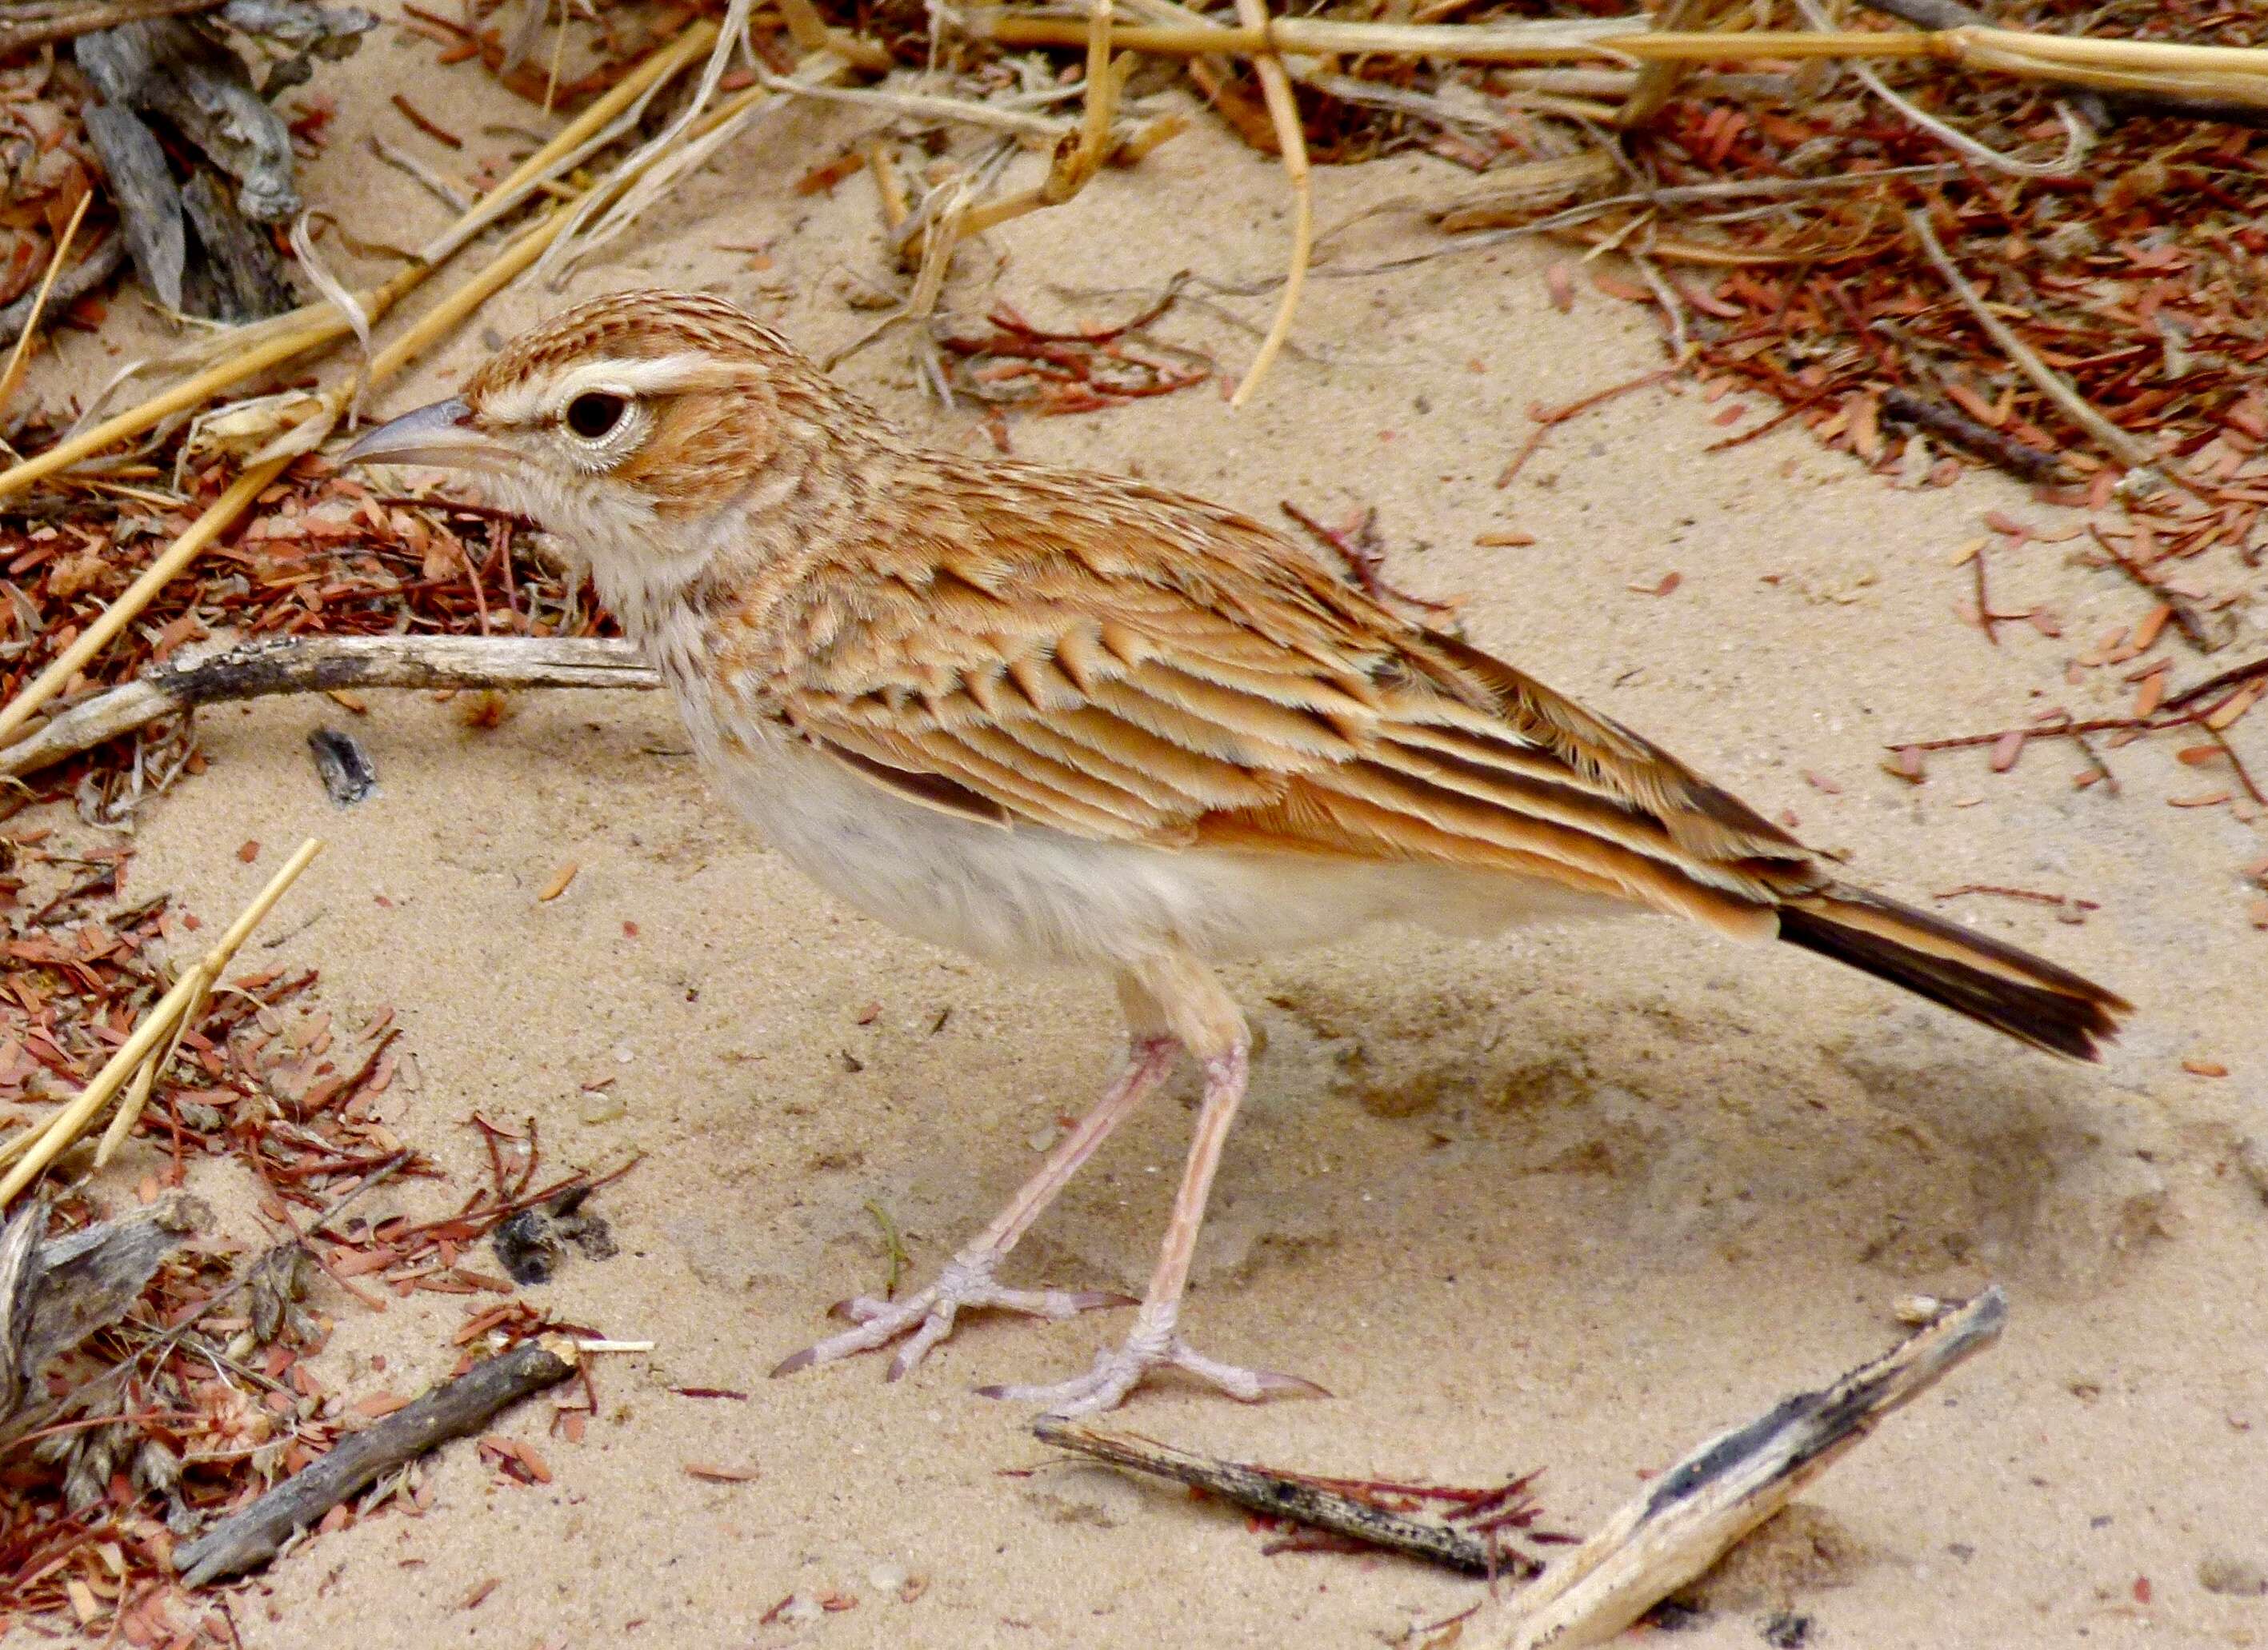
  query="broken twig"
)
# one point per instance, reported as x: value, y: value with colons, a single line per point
x: 1291, y: 1496
x: 452, y: 1409
x: 324, y: 664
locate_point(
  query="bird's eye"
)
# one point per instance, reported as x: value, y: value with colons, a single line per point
x: 591, y: 415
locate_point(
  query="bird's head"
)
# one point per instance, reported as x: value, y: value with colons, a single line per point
x: 635, y: 427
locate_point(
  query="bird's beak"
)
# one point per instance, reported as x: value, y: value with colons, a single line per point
x: 442, y: 434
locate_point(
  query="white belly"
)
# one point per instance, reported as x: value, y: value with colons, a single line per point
x: 1029, y: 895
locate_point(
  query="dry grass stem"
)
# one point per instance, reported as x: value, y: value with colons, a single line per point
x: 2233, y: 74
x: 1291, y: 145
x: 20, y: 357
x: 810, y: 32
x: 41, y: 1144
x: 645, y: 159
x: 217, y: 518
x: 1658, y: 81
x: 1079, y: 154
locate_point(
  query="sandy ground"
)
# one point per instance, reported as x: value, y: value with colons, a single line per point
x: 1569, y: 1199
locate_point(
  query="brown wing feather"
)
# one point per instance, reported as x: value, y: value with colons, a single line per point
x: 1178, y: 675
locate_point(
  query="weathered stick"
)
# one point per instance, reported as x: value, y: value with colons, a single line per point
x: 1722, y: 1490
x: 63, y: 23
x: 1278, y: 1496
x: 318, y: 664
x: 2019, y: 458
x: 452, y: 1409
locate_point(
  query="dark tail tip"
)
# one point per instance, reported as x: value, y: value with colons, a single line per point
x: 2004, y: 987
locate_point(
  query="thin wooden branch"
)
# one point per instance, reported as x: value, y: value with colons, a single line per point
x: 455, y: 1409
x: 1722, y: 1489
x: 323, y: 664
x: 1277, y: 1495
x: 69, y: 23
x: 100, y: 263
x: 2128, y: 449
x: 2004, y: 451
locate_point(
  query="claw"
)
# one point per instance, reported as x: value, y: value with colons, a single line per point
x: 1116, y: 1373
x: 927, y: 1316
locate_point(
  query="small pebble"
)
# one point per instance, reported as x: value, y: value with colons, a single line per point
x: 801, y: 1610
x: 340, y: 763
x: 887, y: 1578
x: 2231, y: 1576
x: 604, y: 1108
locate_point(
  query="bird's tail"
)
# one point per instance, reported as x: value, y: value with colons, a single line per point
x: 2008, y: 989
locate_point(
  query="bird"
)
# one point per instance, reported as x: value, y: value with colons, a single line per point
x: 1048, y: 716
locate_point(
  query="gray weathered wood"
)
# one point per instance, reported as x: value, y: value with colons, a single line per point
x: 170, y: 68
x: 101, y: 262
x: 1722, y: 1490
x: 54, y: 1295
x: 245, y: 270
x: 452, y: 1409
x: 148, y: 200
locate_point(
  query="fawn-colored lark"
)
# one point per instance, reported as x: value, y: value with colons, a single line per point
x: 1048, y: 716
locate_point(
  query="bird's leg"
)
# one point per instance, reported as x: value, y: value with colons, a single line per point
x: 1156, y: 1341
x: 927, y: 1316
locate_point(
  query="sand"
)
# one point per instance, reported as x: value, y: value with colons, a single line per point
x: 1566, y: 1199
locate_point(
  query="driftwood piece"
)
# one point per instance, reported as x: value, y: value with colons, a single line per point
x: 1689, y: 1516
x: 148, y: 200
x: 1278, y: 1496
x: 314, y: 665
x: 452, y: 1409
x: 54, y: 1295
x: 329, y: 32
x: 167, y: 67
x: 240, y: 266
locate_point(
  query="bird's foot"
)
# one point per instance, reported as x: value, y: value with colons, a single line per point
x: 1118, y: 1372
x: 926, y: 1316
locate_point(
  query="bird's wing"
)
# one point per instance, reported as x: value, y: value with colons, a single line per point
x: 1133, y: 667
